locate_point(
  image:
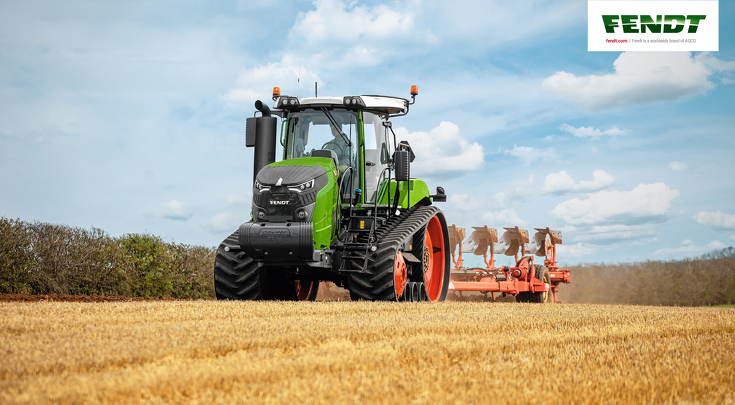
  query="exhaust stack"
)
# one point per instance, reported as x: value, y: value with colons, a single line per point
x: 260, y: 132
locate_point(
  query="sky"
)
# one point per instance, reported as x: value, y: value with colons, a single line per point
x: 129, y: 116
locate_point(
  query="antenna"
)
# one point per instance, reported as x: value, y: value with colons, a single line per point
x: 298, y: 78
x: 316, y: 94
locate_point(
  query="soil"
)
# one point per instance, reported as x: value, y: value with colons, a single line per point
x: 80, y: 298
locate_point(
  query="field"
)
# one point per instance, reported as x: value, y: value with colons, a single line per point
x: 351, y: 352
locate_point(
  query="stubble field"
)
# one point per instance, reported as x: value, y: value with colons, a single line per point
x: 373, y: 353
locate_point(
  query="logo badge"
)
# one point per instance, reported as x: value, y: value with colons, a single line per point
x: 278, y: 183
x: 619, y: 26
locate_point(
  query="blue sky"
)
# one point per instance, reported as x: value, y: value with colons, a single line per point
x: 129, y: 116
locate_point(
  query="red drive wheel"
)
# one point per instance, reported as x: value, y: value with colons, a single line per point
x: 401, y: 274
x: 436, y: 270
x: 306, y: 290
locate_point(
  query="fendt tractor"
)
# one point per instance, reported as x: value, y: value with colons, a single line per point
x: 340, y: 206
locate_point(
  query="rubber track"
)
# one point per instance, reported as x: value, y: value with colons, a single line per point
x: 235, y: 274
x: 375, y: 283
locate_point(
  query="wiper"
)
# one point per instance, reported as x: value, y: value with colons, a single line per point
x: 336, y: 127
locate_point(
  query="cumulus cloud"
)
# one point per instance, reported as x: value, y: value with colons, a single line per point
x: 559, y: 183
x: 464, y: 202
x: 576, y: 250
x: 530, y: 153
x: 590, y: 132
x: 640, y: 77
x: 615, y: 233
x: 175, y: 210
x: 717, y: 220
x: 252, y: 83
x: 442, y: 152
x: 506, y: 217
x: 362, y: 35
x: 644, y: 203
x: 690, y: 247
x: 678, y: 166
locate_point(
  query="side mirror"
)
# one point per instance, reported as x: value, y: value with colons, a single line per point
x: 439, y: 196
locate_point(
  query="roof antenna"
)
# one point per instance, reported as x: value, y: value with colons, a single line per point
x: 298, y: 78
x: 316, y: 94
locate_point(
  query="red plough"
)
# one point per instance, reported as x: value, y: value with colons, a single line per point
x: 529, y: 282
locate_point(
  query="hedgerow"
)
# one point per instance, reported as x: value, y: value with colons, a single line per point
x: 43, y: 258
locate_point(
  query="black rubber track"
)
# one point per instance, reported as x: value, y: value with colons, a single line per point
x: 376, y: 282
x: 236, y: 275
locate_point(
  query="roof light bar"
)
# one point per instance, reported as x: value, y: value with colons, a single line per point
x: 287, y: 102
x: 353, y: 101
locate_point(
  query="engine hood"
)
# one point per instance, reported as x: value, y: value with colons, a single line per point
x: 297, y: 171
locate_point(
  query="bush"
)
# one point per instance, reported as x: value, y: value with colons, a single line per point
x: 42, y: 258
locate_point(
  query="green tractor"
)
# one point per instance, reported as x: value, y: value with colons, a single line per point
x: 340, y: 206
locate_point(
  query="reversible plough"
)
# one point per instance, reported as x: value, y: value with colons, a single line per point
x: 529, y: 282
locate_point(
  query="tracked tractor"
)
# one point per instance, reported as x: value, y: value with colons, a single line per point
x: 339, y: 206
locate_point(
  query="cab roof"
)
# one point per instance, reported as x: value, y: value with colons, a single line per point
x: 386, y: 104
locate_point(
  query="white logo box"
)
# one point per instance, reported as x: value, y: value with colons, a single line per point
x: 706, y: 38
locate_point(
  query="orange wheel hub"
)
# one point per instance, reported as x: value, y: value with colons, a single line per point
x: 400, y: 273
x: 434, y: 259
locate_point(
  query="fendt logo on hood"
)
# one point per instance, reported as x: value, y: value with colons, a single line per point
x: 653, y: 25
x: 279, y: 202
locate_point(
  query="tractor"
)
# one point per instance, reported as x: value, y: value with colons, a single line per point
x: 340, y: 206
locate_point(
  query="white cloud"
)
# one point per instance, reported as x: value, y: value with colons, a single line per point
x: 442, y: 152
x: 576, y: 250
x: 644, y: 203
x: 690, y: 247
x: 611, y: 233
x: 677, y: 166
x: 176, y: 210
x: 333, y: 20
x: 562, y: 182
x: 506, y: 217
x: 224, y: 222
x: 640, y: 77
x: 732, y: 237
x: 351, y: 34
x: 464, y: 202
x: 258, y: 81
x: 530, y: 153
x: 718, y: 220
x: 590, y: 132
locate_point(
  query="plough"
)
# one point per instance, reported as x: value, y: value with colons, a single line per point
x: 527, y: 281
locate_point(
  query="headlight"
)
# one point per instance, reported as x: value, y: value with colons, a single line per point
x: 303, y: 186
x: 260, y: 187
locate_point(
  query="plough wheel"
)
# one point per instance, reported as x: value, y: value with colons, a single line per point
x: 542, y: 273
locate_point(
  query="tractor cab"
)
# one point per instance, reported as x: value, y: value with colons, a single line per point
x: 354, y: 131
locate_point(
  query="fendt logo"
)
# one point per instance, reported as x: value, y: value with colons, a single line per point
x: 652, y: 26
x: 671, y: 24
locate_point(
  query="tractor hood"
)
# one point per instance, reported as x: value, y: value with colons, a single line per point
x: 293, y: 172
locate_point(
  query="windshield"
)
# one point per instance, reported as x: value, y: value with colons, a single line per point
x: 311, y: 130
